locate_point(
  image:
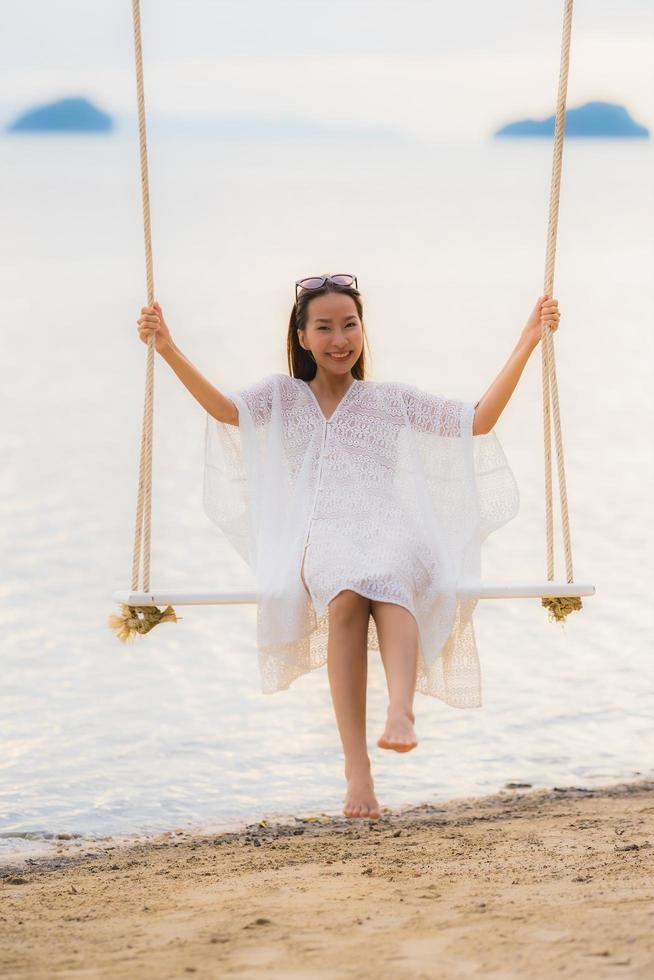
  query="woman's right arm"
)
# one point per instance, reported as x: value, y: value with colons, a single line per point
x: 219, y: 406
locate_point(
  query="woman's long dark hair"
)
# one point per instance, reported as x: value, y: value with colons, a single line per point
x: 300, y: 362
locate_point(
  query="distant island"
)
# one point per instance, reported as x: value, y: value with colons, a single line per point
x: 79, y: 115
x: 594, y: 119
x: 63, y: 116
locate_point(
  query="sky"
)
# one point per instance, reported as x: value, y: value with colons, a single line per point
x: 428, y: 69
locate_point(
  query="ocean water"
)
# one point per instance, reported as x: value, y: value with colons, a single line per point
x: 448, y: 243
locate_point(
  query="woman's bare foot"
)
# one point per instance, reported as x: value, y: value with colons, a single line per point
x: 360, y: 799
x: 399, y: 733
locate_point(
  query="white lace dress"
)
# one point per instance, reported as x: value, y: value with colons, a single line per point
x: 390, y: 497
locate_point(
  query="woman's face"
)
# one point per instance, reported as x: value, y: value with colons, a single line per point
x: 333, y: 328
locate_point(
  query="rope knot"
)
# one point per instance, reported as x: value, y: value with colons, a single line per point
x: 139, y: 619
x: 559, y: 608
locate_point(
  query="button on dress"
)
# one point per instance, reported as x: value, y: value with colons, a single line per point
x: 390, y: 497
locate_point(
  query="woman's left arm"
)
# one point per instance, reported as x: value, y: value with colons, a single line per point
x: 489, y: 408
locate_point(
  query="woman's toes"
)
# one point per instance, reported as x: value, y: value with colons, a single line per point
x: 360, y: 800
x: 398, y: 735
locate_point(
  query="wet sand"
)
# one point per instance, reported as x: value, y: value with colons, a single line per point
x: 520, y: 884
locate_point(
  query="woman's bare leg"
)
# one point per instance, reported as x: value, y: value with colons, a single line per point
x: 347, y: 667
x: 398, y: 644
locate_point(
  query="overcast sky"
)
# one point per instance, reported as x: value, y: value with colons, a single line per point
x: 429, y: 68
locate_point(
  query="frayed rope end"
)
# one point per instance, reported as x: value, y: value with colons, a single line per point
x: 561, y: 607
x: 139, y: 619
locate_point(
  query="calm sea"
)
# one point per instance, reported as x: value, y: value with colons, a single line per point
x: 448, y: 244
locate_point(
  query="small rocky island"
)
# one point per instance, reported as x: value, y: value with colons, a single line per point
x: 63, y: 116
x: 594, y: 119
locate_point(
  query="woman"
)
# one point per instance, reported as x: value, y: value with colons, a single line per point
x: 361, y: 507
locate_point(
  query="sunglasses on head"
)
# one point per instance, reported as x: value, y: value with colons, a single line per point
x: 315, y: 282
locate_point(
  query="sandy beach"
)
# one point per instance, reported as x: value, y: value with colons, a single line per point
x: 523, y: 883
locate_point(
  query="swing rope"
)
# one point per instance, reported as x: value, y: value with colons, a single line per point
x: 558, y: 608
x: 141, y: 619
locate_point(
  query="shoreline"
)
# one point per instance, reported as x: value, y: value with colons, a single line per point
x: 56, y: 849
x: 525, y: 883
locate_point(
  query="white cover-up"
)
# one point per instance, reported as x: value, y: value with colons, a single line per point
x: 391, y: 497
